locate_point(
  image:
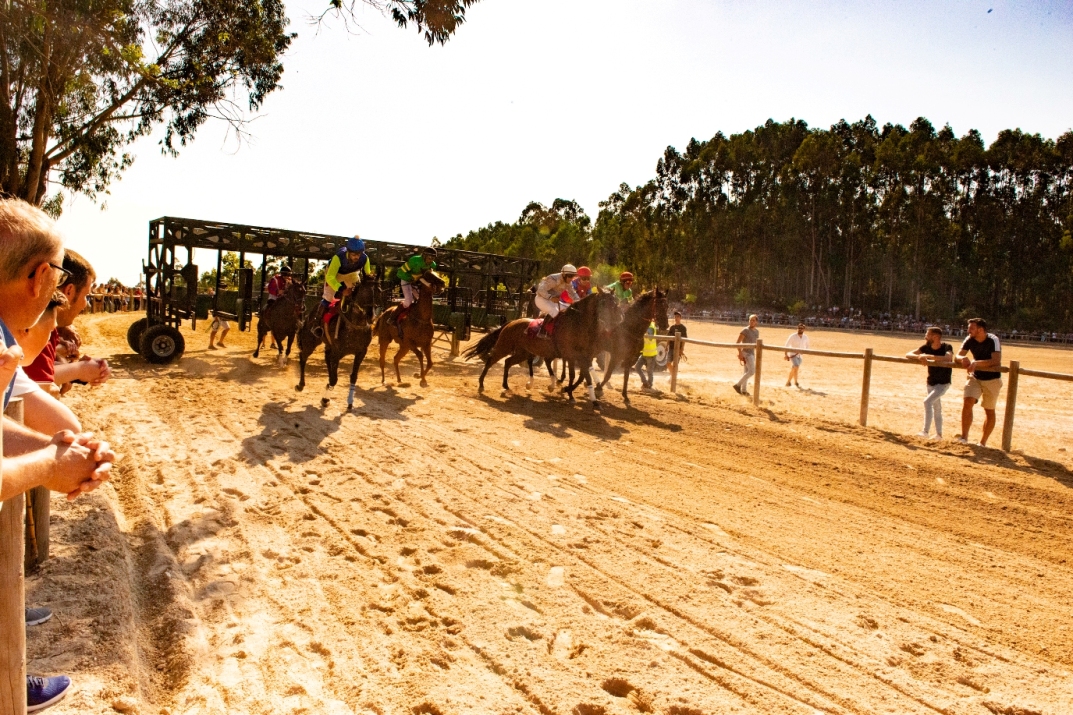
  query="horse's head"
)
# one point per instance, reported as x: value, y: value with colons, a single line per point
x: 607, y: 313
x: 432, y: 281
x: 659, y: 307
x: 295, y: 291
x: 367, y: 292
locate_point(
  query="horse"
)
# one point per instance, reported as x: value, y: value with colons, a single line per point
x: 351, y: 335
x: 282, y: 317
x: 416, y: 330
x: 627, y: 339
x: 574, y: 337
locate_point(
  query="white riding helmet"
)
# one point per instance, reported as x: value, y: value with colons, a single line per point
x: 569, y: 268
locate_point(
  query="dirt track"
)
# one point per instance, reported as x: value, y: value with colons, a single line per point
x: 439, y: 552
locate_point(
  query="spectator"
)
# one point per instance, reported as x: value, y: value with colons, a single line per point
x: 41, y: 411
x: 679, y: 328
x: 31, y: 254
x: 798, y: 341
x: 933, y: 353
x: 45, y: 368
x: 218, y: 323
x: 647, y: 358
x: 747, y: 355
x: 984, y: 381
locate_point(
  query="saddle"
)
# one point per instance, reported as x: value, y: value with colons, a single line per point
x: 540, y: 328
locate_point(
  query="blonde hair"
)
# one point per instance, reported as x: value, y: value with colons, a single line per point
x: 27, y: 236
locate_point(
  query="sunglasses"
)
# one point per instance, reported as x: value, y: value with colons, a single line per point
x: 64, y: 276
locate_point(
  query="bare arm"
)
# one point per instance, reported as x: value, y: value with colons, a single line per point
x: 992, y: 363
x: 47, y: 415
x: 84, y: 370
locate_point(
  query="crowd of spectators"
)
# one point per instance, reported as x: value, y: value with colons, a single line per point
x: 43, y: 288
x: 876, y: 322
x: 114, y: 297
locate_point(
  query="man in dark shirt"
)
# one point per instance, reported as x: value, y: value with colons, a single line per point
x: 678, y: 328
x: 933, y: 353
x: 984, y: 381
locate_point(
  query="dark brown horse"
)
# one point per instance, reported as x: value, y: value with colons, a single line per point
x: 281, y: 317
x: 574, y: 337
x: 350, y: 334
x: 628, y: 338
x: 415, y: 327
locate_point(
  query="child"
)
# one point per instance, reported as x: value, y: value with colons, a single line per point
x: 938, y: 377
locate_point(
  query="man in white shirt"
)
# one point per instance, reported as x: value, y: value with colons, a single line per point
x: 800, y: 341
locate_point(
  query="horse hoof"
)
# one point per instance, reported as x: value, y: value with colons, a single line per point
x: 299, y: 388
x: 424, y: 383
x: 324, y: 402
x: 349, y: 407
x: 596, y: 406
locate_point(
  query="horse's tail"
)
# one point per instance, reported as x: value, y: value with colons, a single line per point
x: 376, y: 322
x: 483, y: 346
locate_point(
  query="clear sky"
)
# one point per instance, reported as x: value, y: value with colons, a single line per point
x: 376, y: 133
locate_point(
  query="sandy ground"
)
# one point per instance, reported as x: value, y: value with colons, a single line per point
x: 439, y: 552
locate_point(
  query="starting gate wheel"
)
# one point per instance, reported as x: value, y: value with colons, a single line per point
x: 134, y: 334
x: 162, y: 344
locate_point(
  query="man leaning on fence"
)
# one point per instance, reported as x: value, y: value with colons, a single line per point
x: 31, y: 258
x: 984, y: 381
x: 747, y: 355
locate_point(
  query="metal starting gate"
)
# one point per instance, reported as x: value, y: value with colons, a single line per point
x: 484, y: 289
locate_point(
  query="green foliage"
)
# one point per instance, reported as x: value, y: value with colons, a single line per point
x: 798, y: 307
x: 229, y: 274
x: 83, y: 80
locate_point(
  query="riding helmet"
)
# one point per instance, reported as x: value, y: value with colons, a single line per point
x: 285, y: 271
x: 430, y: 251
x: 355, y: 245
x: 625, y: 276
x: 569, y: 269
x: 584, y: 272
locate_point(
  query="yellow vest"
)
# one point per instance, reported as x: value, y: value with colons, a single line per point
x: 650, y: 342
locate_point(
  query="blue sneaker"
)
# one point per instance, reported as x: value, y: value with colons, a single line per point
x: 37, y: 616
x: 42, y: 692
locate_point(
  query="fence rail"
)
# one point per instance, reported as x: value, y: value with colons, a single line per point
x: 1014, y: 370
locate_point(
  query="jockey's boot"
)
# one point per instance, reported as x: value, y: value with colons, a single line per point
x: 548, y: 320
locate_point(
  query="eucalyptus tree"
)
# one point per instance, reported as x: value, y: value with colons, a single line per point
x: 80, y: 80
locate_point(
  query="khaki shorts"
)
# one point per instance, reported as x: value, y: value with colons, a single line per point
x: 986, y: 389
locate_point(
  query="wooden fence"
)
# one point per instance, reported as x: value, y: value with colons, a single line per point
x: 1014, y: 370
x: 12, y: 597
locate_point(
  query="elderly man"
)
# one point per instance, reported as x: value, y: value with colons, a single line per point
x: 31, y: 257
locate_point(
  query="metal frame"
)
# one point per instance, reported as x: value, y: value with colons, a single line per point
x: 483, y: 285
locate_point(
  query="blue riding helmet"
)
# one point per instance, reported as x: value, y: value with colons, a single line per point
x: 355, y: 245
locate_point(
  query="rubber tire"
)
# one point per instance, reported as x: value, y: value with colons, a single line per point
x: 162, y: 344
x: 134, y: 334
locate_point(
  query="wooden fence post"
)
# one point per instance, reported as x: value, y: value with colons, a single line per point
x: 756, y: 377
x: 12, y: 598
x: 1011, y: 405
x: 674, y: 366
x: 866, y: 386
x: 37, y: 527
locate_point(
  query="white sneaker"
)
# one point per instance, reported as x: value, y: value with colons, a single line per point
x: 922, y: 434
x: 935, y: 437
x: 962, y: 440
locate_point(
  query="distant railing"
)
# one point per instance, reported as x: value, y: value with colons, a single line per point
x: 1014, y: 370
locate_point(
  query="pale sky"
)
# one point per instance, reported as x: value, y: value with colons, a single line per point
x: 376, y: 133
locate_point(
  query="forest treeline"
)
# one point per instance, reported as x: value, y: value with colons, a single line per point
x: 888, y: 219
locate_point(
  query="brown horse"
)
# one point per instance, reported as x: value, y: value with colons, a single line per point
x: 415, y: 327
x: 282, y: 318
x: 574, y: 337
x: 627, y: 339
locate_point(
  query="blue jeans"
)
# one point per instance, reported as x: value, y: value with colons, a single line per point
x: 933, y: 407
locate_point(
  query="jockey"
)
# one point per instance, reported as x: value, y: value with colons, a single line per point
x: 345, y: 270
x: 279, y: 283
x: 582, y: 286
x: 408, y: 274
x: 551, y: 289
x: 623, y: 288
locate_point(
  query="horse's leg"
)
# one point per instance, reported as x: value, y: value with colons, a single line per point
x: 383, y: 353
x: 529, y: 363
x: 551, y: 372
x: 508, y: 364
x: 303, y: 357
x: 589, y: 386
x: 497, y: 353
x: 428, y: 361
x: 260, y: 339
x: 333, y: 375
x: 403, y: 349
x: 353, y: 380
x: 626, y: 370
